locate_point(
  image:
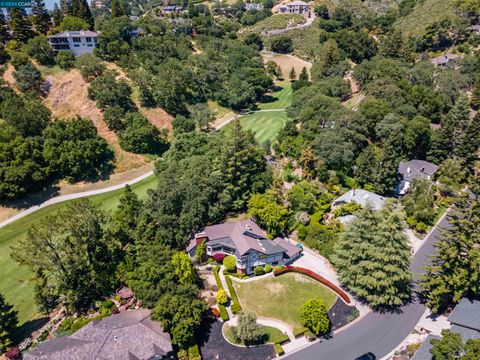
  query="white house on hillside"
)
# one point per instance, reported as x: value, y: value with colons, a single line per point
x: 79, y: 42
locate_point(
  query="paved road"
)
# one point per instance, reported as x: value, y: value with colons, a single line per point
x: 376, y: 333
x: 305, y: 25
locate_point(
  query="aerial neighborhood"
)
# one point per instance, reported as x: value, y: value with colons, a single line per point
x: 252, y: 179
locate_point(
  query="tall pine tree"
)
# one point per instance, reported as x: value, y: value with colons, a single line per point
x: 81, y: 10
x: 118, y: 8
x: 20, y: 25
x: 372, y: 257
x: 40, y: 17
x: 57, y: 15
x: 8, y: 322
x: 454, y: 271
x: 66, y: 7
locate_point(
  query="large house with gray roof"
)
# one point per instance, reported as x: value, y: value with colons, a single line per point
x: 464, y: 320
x: 361, y: 197
x: 130, y: 335
x: 414, y: 169
x: 247, y: 242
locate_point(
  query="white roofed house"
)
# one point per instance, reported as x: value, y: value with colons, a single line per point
x: 78, y: 42
x: 295, y: 7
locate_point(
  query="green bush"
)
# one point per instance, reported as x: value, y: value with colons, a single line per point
x: 115, y: 118
x: 279, y: 349
x: 194, y: 353
x: 236, y: 308
x: 299, y: 331
x: 230, y: 263
x: 90, y: 66
x: 182, y: 354
x: 421, y: 227
x: 268, y: 268
x: 278, y: 267
x: 222, y: 297
x: 217, y: 277
x: 65, y: 59
x: 347, y: 209
x: 223, y: 312
x: 259, y: 270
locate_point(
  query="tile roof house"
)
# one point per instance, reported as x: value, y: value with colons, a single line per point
x: 444, y: 60
x: 414, y: 169
x: 361, y: 197
x: 247, y: 242
x: 78, y: 42
x: 464, y: 319
x: 130, y: 335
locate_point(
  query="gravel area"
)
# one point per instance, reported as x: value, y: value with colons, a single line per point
x: 213, y: 346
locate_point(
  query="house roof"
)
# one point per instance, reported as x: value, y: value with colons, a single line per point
x: 297, y: 3
x: 124, y: 336
x: 444, y: 59
x: 362, y: 197
x: 243, y: 235
x: 466, y: 314
x: 292, y: 250
x: 466, y: 333
x: 414, y: 169
x: 423, y: 352
x: 83, y: 33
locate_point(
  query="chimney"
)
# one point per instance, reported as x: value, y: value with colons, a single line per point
x: 353, y: 192
x: 200, y: 238
x: 408, y: 170
x: 248, y: 227
x: 423, y: 169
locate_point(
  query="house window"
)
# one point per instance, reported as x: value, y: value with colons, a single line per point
x: 89, y: 45
x: 88, y: 39
x: 76, y: 45
x: 262, y: 256
x: 77, y: 40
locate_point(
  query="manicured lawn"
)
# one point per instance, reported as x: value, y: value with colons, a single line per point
x: 265, y: 125
x: 14, y: 284
x: 281, y: 97
x: 273, y: 335
x: 281, y: 297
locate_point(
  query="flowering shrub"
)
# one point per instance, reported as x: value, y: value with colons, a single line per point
x: 315, y: 276
x: 218, y: 257
x: 215, y: 312
x: 13, y: 354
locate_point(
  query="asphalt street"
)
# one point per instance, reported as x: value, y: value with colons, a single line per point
x: 377, y: 333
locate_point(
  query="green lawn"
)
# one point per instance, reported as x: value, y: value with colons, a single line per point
x: 265, y: 125
x: 14, y: 284
x: 282, y: 297
x: 281, y: 98
x: 273, y: 335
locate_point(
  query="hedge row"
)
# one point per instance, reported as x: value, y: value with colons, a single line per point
x: 279, y: 350
x: 217, y: 277
x: 236, y: 307
x: 223, y: 312
x: 194, y: 353
x: 315, y: 276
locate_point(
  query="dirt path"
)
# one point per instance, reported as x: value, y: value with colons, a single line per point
x: 8, y: 75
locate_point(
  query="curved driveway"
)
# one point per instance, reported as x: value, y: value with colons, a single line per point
x: 376, y: 333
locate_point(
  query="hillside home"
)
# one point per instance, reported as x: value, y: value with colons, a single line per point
x: 444, y: 60
x: 247, y: 242
x: 464, y: 319
x: 172, y: 9
x: 414, y: 169
x: 361, y: 197
x: 253, y: 6
x: 295, y: 7
x: 124, y: 336
x: 79, y: 42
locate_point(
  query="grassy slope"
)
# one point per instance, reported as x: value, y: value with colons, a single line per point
x: 425, y: 14
x: 281, y: 297
x: 279, y: 21
x: 14, y: 282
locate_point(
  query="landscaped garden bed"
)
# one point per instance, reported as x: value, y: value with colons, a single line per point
x: 282, y: 297
x: 272, y: 335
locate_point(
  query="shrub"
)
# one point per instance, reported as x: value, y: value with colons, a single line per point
x: 347, y: 209
x: 39, y: 48
x: 4, y: 57
x: 215, y: 312
x: 217, y: 277
x: 279, y: 350
x: 19, y: 59
x: 182, y: 354
x: 194, y: 353
x: 28, y: 78
x: 90, y: 66
x: 210, y: 260
x: 230, y: 263
x: 13, y: 354
x: 268, y: 268
x: 218, y: 257
x: 222, y: 297
x: 314, y: 316
x: 421, y: 227
x: 236, y: 307
x: 282, y: 44
x: 259, y: 270
x: 115, y: 118
x: 223, y: 313
x: 315, y: 276
x: 278, y: 267
x: 140, y: 136
x: 65, y: 59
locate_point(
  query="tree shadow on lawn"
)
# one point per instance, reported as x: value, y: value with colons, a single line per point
x: 28, y: 327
